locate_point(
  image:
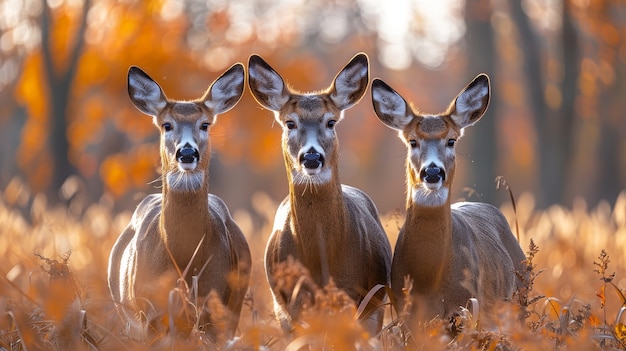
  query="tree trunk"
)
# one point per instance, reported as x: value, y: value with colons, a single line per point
x: 571, y: 62
x: 59, y: 88
x: 547, y: 125
x: 610, y: 160
x: 481, y: 141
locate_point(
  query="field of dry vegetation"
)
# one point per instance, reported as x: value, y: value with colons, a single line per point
x: 53, y: 292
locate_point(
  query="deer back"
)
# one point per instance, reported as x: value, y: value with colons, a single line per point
x: 487, y: 256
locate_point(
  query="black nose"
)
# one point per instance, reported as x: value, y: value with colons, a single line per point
x: 187, y: 155
x: 433, y: 174
x: 312, y: 159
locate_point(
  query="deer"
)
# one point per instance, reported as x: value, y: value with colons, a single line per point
x: 184, y: 227
x: 332, y: 229
x: 450, y: 252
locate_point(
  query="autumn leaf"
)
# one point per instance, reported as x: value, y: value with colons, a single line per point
x: 594, y: 321
x: 602, y: 296
x: 620, y: 331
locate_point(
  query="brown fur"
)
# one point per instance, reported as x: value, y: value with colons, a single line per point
x: 166, y: 229
x: 332, y: 229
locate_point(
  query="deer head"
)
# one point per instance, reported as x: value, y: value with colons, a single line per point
x: 184, y: 125
x: 431, y: 139
x: 310, y: 144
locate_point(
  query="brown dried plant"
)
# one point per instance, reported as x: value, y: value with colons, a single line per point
x: 60, y: 302
x: 523, y: 294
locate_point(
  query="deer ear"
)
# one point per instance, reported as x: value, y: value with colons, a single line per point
x: 350, y: 84
x: 471, y: 103
x: 144, y: 92
x: 226, y: 90
x: 267, y: 86
x: 389, y: 106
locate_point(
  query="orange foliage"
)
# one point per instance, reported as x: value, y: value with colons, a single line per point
x: 113, y: 173
x: 142, y: 163
x: 32, y: 154
x: 124, y: 171
x: 103, y: 125
x: 30, y: 91
x: 65, y: 22
x: 118, y: 35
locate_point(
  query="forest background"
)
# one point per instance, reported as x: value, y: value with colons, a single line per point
x: 76, y: 157
x: 554, y: 127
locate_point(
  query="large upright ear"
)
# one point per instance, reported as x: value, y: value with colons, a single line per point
x: 226, y: 90
x: 144, y: 92
x: 471, y: 103
x: 267, y: 86
x: 350, y: 84
x: 389, y: 106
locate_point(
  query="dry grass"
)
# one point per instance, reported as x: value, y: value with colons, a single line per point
x: 53, y: 293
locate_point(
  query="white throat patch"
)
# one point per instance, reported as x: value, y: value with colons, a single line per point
x: 430, y: 198
x: 314, y: 177
x: 185, y: 181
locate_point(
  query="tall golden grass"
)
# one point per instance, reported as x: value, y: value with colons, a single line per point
x: 54, y: 296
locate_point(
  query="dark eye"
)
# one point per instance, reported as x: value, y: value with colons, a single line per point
x: 331, y: 123
x: 290, y: 124
x: 204, y: 126
x: 451, y: 142
x: 167, y: 126
x: 413, y: 143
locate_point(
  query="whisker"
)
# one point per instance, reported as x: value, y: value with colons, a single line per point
x: 178, y: 178
x: 157, y: 180
x: 187, y: 181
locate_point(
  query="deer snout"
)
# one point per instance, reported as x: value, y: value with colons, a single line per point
x: 433, y: 174
x: 187, y: 155
x: 312, y: 159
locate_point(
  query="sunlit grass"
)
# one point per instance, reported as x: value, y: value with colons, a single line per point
x: 53, y: 292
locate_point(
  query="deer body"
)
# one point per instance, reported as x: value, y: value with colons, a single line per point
x: 452, y: 252
x: 332, y: 229
x: 184, y: 228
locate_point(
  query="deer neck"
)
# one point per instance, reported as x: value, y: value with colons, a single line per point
x: 318, y: 205
x: 185, y: 214
x: 318, y: 223
x: 428, y: 230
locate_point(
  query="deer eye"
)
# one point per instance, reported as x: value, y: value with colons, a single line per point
x: 331, y: 123
x: 413, y: 143
x: 451, y: 142
x: 167, y: 126
x: 290, y: 124
x: 204, y: 126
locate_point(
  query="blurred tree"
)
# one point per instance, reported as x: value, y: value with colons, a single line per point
x: 549, y: 175
x: 482, y: 141
x: 60, y: 70
x: 12, y: 115
x: 65, y: 109
x: 551, y: 103
x: 600, y: 170
x: 74, y: 82
x: 565, y: 102
x: 72, y: 79
x: 13, y: 121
